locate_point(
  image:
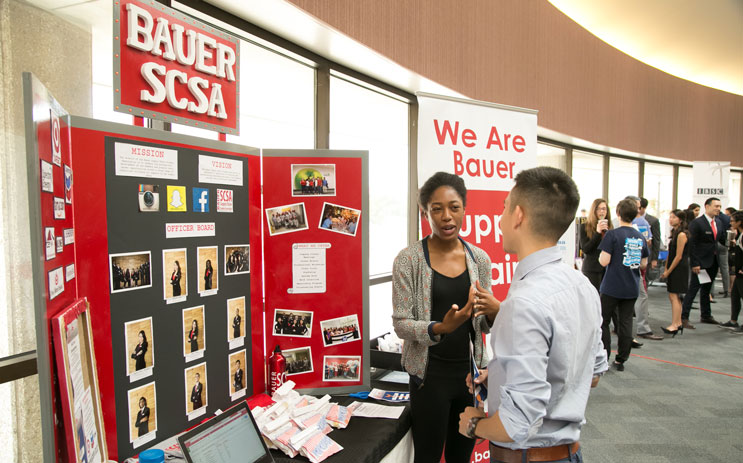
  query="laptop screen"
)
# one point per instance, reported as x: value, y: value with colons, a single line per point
x: 234, y: 438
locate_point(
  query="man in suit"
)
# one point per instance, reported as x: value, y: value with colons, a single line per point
x: 238, y: 379
x: 643, y: 329
x: 704, y: 233
x: 196, y: 393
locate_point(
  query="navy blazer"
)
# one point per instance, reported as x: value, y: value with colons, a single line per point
x: 702, y: 248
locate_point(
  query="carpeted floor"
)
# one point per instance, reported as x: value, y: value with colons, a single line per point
x: 678, y: 400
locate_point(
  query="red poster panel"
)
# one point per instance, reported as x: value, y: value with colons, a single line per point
x: 316, y: 283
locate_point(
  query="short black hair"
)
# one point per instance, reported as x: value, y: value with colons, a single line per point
x: 547, y: 194
x: 627, y: 209
x: 438, y: 180
x: 709, y: 200
x: 731, y: 210
x: 737, y: 216
x: 643, y: 202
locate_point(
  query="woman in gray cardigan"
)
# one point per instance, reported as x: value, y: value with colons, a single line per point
x: 441, y: 298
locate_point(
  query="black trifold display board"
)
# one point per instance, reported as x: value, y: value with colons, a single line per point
x: 132, y: 231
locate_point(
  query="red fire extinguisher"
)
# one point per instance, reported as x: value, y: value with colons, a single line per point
x: 276, y: 370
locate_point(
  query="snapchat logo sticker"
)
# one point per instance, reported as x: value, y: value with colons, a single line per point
x: 176, y: 196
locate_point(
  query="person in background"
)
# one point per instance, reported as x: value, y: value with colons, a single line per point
x: 654, y: 233
x: 677, y: 268
x: 736, y: 261
x: 693, y: 211
x: 642, y: 327
x: 624, y: 252
x: 143, y: 418
x: 591, y: 234
x: 722, y: 257
x: 434, y: 283
x: 546, y: 339
x: 704, y: 233
x: 730, y: 211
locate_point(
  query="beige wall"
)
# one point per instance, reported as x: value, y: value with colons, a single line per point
x: 527, y: 53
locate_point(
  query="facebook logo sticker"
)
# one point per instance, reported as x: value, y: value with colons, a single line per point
x: 201, y: 200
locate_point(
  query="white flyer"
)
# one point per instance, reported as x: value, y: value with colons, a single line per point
x: 49, y: 241
x: 308, y: 268
x: 47, y: 177
x: 56, y: 282
x: 220, y: 170
x: 371, y: 410
x: 146, y: 161
x: 703, y: 277
x: 91, y: 432
x: 74, y: 361
x: 69, y: 272
x: 59, y: 212
x: 69, y: 236
x: 189, y: 230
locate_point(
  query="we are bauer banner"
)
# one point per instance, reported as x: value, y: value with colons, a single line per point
x: 486, y: 144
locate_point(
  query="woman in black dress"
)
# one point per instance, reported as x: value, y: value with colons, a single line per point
x: 139, y: 352
x: 143, y: 418
x: 591, y: 234
x: 193, y: 336
x: 208, y: 275
x: 175, y: 279
x: 677, y: 268
x: 236, y: 324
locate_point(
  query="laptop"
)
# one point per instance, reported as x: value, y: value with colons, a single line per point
x: 229, y: 437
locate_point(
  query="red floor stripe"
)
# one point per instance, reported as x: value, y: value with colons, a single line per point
x: 687, y: 366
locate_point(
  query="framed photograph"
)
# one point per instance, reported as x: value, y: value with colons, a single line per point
x: 297, y: 323
x: 236, y: 259
x: 286, y: 219
x: 340, y: 330
x: 237, y: 379
x: 175, y: 275
x: 313, y: 179
x: 196, y: 390
x: 140, y: 348
x: 142, y: 413
x: 236, y: 318
x: 339, y: 219
x: 298, y: 361
x: 207, y: 258
x: 341, y: 368
x: 130, y: 271
x: 194, y: 332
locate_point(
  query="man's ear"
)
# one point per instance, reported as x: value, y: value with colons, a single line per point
x: 518, y: 216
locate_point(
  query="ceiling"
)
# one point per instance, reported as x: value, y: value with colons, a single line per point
x: 696, y: 40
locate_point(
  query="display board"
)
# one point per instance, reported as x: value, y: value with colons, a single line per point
x: 50, y: 190
x: 78, y: 382
x: 153, y: 199
x: 316, y: 262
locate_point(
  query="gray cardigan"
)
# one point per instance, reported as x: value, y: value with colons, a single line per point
x: 412, y: 278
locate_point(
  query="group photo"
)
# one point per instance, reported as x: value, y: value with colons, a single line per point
x: 286, y: 219
x: 130, y: 271
x: 236, y: 259
x: 298, y: 361
x: 341, y: 368
x: 313, y: 180
x: 340, y: 330
x: 339, y: 219
x: 295, y: 323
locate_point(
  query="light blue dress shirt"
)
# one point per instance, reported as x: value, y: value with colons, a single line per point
x: 547, y: 347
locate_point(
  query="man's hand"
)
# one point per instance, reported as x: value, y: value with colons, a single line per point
x: 696, y: 269
x: 483, y: 378
x: 465, y: 416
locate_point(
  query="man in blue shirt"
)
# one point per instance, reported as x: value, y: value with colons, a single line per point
x: 546, y: 338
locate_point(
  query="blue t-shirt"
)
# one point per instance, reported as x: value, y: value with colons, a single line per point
x: 643, y: 226
x: 627, y: 247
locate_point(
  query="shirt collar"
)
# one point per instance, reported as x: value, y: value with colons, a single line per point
x: 535, y: 260
x: 709, y: 219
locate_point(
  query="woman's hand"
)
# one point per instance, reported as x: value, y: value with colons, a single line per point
x: 485, y: 303
x: 453, y: 318
x: 665, y: 275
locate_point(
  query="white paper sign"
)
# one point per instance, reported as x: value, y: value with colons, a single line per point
x: 220, y: 170
x: 60, y: 244
x: 189, y: 230
x: 69, y: 236
x: 91, y: 433
x: 75, y: 362
x: 56, y: 282
x: 47, y: 177
x: 308, y: 268
x: 146, y: 161
x: 50, y: 242
x: 224, y: 200
x: 56, y: 139
x: 59, y: 212
x: 69, y: 272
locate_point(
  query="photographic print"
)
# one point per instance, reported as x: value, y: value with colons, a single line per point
x: 286, y: 219
x: 313, y: 179
x: 142, y: 412
x: 340, y: 219
x: 237, y: 378
x: 340, y: 330
x: 208, y: 263
x: 296, y: 323
x: 130, y: 271
x: 194, y: 331
x: 341, y: 368
x: 298, y: 361
x: 196, y: 392
x: 175, y: 275
x: 236, y: 318
x: 236, y: 259
x: 149, y: 198
x: 139, y: 348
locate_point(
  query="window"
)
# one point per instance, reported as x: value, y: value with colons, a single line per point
x: 623, y: 180
x: 553, y: 156
x: 658, y: 190
x: 366, y: 120
x: 685, y: 192
x: 588, y: 174
x: 734, y: 191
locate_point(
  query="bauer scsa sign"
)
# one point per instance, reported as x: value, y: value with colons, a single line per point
x: 171, y: 67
